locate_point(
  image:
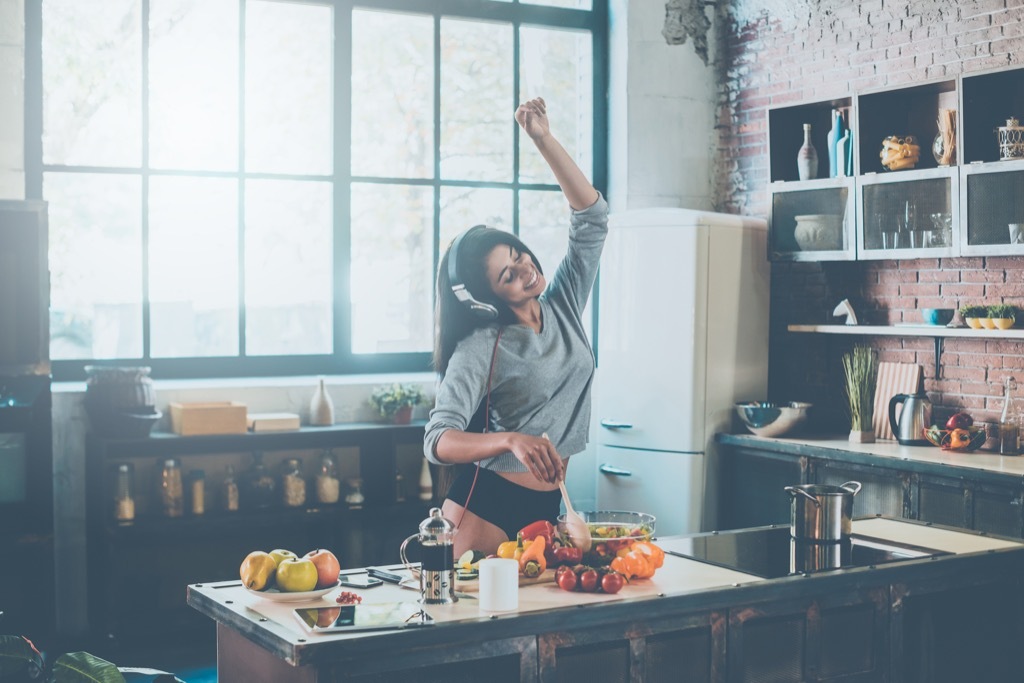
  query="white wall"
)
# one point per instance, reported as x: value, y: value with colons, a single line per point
x: 662, y: 111
x: 12, y: 99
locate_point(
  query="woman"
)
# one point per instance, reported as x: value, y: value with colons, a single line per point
x: 515, y: 347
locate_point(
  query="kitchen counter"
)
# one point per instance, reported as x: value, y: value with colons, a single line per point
x: 928, y: 459
x: 693, y: 620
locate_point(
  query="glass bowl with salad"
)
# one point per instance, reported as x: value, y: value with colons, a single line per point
x: 614, y: 528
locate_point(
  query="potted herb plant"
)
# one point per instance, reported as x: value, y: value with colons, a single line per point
x: 1003, y: 316
x: 860, y: 367
x: 396, y: 401
x: 973, y: 316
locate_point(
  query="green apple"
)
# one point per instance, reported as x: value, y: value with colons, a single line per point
x: 279, y: 554
x: 295, y: 575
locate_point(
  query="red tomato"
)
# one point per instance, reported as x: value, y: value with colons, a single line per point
x: 566, y: 580
x: 588, y: 580
x: 611, y: 582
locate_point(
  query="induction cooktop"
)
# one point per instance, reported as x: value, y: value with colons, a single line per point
x: 770, y: 552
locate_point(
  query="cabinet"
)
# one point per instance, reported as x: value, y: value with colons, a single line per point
x: 971, y: 206
x: 962, y: 497
x: 138, y: 570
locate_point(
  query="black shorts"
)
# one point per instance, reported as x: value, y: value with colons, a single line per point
x: 504, y: 504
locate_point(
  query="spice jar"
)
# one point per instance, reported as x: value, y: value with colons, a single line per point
x: 355, y: 497
x: 124, y: 496
x: 229, y: 490
x: 259, y: 490
x: 171, y: 490
x: 327, y: 484
x: 293, y: 485
x: 197, y: 491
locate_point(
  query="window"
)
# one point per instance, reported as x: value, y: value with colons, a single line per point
x: 258, y: 187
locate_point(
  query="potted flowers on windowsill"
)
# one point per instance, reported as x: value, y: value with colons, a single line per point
x: 973, y: 316
x: 1003, y: 316
x: 396, y: 401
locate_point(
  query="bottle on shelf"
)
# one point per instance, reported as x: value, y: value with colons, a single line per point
x: 259, y: 490
x: 1008, y: 432
x: 197, y: 491
x: 354, y: 498
x: 172, y: 492
x: 426, y: 481
x: 807, y: 157
x: 293, y: 484
x: 229, y: 490
x: 328, y: 487
x: 124, y: 493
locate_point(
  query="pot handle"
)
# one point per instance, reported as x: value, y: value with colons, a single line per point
x: 795, y: 490
x: 851, y: 486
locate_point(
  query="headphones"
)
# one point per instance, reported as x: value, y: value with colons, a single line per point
x: 478, y: 308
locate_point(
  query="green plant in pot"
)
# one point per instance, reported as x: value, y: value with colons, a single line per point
x: 1003, y: 316
x: 860, y: 368
x: 396, y: 401
x: 973, y: 316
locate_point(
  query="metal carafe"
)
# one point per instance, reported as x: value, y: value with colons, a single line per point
x: 437, y: 559
x: 915, y: 417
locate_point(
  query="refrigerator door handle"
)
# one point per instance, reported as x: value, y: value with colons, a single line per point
x: 614, y: 471
x: 613, y: 424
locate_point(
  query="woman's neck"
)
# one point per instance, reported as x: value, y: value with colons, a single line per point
x: 531, y: 315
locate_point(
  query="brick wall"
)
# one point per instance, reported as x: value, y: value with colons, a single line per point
x: 811, y: 50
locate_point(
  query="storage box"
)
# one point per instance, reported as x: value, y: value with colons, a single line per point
x: 273, y: 422
x: 224, y: 417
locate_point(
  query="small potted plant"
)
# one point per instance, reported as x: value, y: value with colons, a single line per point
x: 860, y: 367
x: 973, y: 316
x: 396, y: 401
x: 1003, y: 316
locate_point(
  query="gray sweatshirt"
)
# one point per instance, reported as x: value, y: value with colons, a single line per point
x: 541, y: 382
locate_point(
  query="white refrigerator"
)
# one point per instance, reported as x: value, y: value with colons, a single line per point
x: 683, y: 335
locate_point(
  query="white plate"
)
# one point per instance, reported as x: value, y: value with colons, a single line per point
x: 276, y: 595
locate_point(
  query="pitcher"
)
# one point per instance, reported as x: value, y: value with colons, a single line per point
x: 437, y: 565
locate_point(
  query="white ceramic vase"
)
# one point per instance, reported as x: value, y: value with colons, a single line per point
x: 321, y: 408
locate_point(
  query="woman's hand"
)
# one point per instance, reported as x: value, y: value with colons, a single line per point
x: 539, y: 456
x: 533, y: 118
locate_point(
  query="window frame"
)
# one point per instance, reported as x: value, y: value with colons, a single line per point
x: 342, y: 361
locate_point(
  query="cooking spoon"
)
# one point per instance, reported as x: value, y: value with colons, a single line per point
x: 577, y: 527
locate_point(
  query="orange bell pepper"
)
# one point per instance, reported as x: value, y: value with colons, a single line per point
x: 640, y: 560
x: 535, y: 553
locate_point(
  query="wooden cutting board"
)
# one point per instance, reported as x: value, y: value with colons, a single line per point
x: 473, y: 585
x: 893, y: 378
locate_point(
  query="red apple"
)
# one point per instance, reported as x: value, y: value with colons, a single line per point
x: 959, y: 421
x: 327, y: 567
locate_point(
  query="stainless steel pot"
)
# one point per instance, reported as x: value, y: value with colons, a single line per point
x: 821, y: 512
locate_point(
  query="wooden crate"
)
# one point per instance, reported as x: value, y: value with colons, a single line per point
x: 224, y: 417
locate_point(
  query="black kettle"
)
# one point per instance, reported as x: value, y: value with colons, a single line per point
x: 915, y: 417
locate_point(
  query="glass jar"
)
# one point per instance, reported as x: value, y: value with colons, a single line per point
x: 172, y: 494
x: 293, y: 484
x: 328, y: 487
x: 259, y: 490
x: 354, y: 498
x: 229, y: 490
x: 124, y: 493
x: 197, y: 491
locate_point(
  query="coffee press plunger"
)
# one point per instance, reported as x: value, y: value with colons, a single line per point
x: 437, y: 564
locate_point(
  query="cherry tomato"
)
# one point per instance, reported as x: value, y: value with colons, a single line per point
x: 588, y: 580
x: 566, y: 580
x: 611, y: 582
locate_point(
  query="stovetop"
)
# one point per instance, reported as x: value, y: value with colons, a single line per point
x: 770, y: 552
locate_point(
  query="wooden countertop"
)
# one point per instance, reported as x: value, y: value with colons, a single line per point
x: 976, y: 465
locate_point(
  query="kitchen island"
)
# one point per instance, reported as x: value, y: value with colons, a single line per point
x: 955, y: 615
